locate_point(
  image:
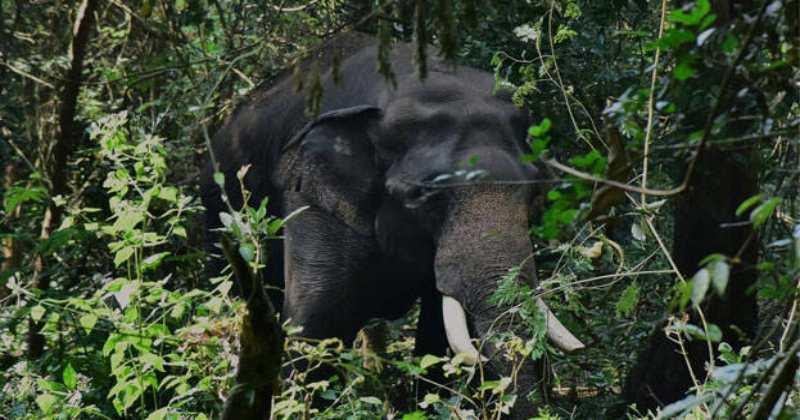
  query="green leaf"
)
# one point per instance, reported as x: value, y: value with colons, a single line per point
x: 214, y: 304
x: 46, y: 402
x: 731, y: 44
x: 746, y: 204
x: 15, y: 196
x: 761, y: 213
x: 153, y: 360
x: 720, y: 272
x: 694, y: 16
x: 415, y: 415
x: 487, y: 385
x: 247, y: 252
x: 540, y: 129
x: 683, y: 70
x: 700, y: 283
x: 675, y: 38
x: 159, y: 414
x: 219, y: 179
x: 180, y: 231
x: 88, y: 322
x: 628, y: 300
x: 37, y: 312
x: 371, y: 400
x: 127, y: 221
x: 713, y: 334
x: 123, y: 255
x: 153, y: 261
x: 168, y: 194
x: 429, y: 360
x: 70, y: 377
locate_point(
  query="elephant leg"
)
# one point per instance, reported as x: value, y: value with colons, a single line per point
x: 430, y: 338
x: 327, y: 270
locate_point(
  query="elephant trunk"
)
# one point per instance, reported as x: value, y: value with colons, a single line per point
x: 485, y: 235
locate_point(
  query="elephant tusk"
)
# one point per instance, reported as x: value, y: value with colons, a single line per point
x: 455, y: 327
x: 557, y: 332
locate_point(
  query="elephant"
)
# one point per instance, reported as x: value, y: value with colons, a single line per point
x: 412, y: 190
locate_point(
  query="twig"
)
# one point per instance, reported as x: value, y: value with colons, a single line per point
x: 650, y: 103
x: 621, y: 185
x: 28, y: 75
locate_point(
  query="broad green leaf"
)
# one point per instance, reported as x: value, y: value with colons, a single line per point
x: 153, y: 360
x: 88, y: 322
x: 371, y: 400
x: 429, y: 360
x: 700, y: 283
x: 746, y: 204
x: 247, y: 252
x: 37, y: 312
x: 683, y: 70
x: 180, y: 231
x: 123, y: 255
x: 159, y: 414
x: 15, y: 196
x: 128, y: 220
x: 46, y: 402
x: 214, y: 305
x: 153, y: 261
x: 731, y: 44
x: 713, y: 334
x: 415, y: 415
x: 70, y: 377
x: 489, y: 385
x: 169, y: 194
x: 761, y: 213
x: 720, y: 272
x: 692, y: 18
x: 540, y: 129
x: 628, y: 300
x: 219, y: 179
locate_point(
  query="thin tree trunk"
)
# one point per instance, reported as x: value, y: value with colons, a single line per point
x: 10, y: 249
x: 261, y: 346
x: 68, y: 137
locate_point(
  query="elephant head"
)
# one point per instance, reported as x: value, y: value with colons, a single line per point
x: 445, y: 155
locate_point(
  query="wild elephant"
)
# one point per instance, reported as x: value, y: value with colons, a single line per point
x: 387, y: 222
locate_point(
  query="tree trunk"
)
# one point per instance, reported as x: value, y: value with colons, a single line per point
x: 261, y: 346
x: 705, y: 223
x: 10, y: 249
x: 702, y: 227
x: 68, y: 137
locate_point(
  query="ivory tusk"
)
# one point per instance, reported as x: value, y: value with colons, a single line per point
x: 455, y: 327
x: 557, y: 332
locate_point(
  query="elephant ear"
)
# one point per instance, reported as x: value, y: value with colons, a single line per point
x: 336, y: 166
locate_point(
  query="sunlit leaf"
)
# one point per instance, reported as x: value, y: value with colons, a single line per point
x: 70, y: 377
x: 720, y: 272
x: 700, y: 283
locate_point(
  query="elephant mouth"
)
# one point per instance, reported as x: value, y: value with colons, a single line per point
x: 458, y: 337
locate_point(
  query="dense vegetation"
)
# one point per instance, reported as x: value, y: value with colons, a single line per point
x: 668, y: 238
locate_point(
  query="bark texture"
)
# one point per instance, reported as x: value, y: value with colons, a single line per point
x: 69, y: 135
x: 261, y: 340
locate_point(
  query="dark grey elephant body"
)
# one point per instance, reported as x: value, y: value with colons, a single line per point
x: 376, y: 235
